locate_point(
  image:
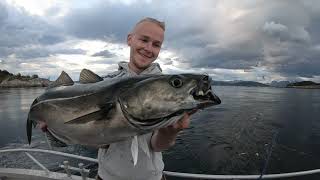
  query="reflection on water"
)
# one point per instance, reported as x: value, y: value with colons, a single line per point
x: 14, y: 107
x: 231, y: 138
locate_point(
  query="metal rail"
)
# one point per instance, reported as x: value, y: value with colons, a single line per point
x: 50, y: 152
x: 179, y: 174
x: 37, y: 162
x: 19, y: 172
x: 267, y: 176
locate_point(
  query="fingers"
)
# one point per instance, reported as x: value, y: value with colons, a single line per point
x: 43, y: 126
x: 183, y: 123
x: 192, y: 111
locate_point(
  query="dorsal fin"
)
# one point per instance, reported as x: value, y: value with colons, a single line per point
x: 63, y: 80
x: 87, y: 76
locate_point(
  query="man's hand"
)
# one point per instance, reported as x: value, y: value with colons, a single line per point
x: 43, y: 126
x: 181, y: 124
x: 166, y: 137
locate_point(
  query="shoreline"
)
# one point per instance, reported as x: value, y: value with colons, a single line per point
x: 17, y: 83
x: 305, y: 87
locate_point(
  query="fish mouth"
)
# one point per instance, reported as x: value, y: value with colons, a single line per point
x: 205, y: 97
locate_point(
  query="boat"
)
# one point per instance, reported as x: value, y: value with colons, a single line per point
x: 81, y: 172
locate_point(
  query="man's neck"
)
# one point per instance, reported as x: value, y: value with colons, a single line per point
x: 133, y: 68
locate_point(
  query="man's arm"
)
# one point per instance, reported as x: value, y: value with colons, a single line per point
x: 164, y: 138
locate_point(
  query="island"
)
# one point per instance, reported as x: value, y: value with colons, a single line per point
x: 304, y: 85
x: 239, y: 83
x: 9, y: 80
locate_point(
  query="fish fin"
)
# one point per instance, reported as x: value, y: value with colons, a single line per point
x: 31, y: 122
x: 63, y: 80
x: 29, y: 129
x: 87, y: 76
x: 144, y: 145
x: 33, y: 103
x: 134, y: 150
x: 53, y: 141
x: 99, y: 114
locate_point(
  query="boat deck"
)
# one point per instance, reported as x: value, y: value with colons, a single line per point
x: 68, y: 174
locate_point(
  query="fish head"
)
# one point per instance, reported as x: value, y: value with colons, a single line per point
x: 153, y: 102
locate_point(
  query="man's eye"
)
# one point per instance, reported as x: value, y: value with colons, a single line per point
x: 157, y: 45
x: 144, y: 40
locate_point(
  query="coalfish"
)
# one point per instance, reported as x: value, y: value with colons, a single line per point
x: 97, y: 112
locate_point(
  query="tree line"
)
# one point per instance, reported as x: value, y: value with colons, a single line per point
x: 4, y: 74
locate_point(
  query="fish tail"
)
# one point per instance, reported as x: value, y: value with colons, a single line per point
x: 29, y: 129
x: 30, y: 122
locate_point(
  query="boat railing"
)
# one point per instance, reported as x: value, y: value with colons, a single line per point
x: 84, y: 172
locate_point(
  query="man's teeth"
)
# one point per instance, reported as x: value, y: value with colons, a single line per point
x: 201, y: 93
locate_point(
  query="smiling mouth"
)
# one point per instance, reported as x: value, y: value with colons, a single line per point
x: 145, y: 56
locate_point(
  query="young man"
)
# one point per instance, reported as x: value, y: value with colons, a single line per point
x: 115, y: 163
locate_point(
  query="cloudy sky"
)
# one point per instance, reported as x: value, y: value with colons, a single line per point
x: 228, y: 39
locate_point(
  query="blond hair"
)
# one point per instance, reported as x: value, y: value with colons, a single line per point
x: 149, y: 19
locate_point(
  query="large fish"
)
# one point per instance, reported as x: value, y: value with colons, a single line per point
x: 97, y: 112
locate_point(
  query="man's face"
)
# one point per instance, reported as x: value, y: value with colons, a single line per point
x: 145, y: 44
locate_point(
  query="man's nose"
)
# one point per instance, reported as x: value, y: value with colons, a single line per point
x: 148, y: 47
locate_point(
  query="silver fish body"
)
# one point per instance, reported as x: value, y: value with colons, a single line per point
x: 98, y: 112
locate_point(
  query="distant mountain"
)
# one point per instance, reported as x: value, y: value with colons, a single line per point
x: 304, y: 84
x: 239, y: 83
x: 281, y: 84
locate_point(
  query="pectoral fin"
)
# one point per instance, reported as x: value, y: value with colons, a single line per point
x: 99, y: 113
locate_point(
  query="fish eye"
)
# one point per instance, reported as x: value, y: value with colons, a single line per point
x: 176, y: 82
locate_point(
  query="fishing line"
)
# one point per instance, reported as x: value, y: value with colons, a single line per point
x: 48, y: 142
x: 274, y: 138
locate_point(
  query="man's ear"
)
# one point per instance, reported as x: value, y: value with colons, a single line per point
x: 129, y: 39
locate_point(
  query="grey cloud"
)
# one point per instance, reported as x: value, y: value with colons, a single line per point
x: 239, y: 56
x: 68, y: 51
x: 53, y: 11
x: 276, y: 30
x: 293, y: 60
x: 286, y: 37
x: 27, y: 36
x: 51, y: 39
x: 31, y: 52
x: 168, y: 61
x: 306, y: 68
x: 106, y: 21
x: 104, y: 53
x: 19, y: 29
x: 300, y: 35
x: 3, y: 13
x: 295, y: 34
x: 114, y: 60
